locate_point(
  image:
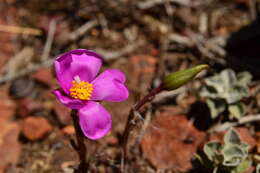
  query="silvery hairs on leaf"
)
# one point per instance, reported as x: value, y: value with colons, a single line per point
x: 225, y: 90
x: 212, y: 149
x: 234, y: 150
x: 232, y: 156
x: 237, y: 110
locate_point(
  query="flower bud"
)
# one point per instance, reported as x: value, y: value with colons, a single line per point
x: 179, y: 78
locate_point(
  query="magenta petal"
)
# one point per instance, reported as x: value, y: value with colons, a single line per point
x: 67, y: 101
x: 109, y: 86
x: 79, y: 62
x: 95, y: 121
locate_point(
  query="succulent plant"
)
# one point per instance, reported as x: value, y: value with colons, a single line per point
x: 224, y: 91
x: 231, y: 157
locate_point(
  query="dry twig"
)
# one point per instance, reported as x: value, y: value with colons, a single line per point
x: 30, y: 68
x: 47, y: 63
x: 48, y: 43
x: 151, y: 3
x: 83, y: 29
x: 18, y: 61
x: 20, y: 30
x: 111, y: 55
x: 244, y: 120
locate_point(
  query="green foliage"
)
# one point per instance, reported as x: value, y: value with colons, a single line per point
x: 231, y: 157
x: 224, y: 91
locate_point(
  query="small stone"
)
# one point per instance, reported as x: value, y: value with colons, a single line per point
x: 7, y: 106
x: 22, y: 87
x: 246, y: 136
x: 68, y: 130
x: 154, y: 51
x: 44, y: 75
x: 62, y: 113
x: 111, y: 140
x: 6, y: 112
x: 9, y: 144
x: 35, y: 128
x: 178, y: 135
x: 28, y: 106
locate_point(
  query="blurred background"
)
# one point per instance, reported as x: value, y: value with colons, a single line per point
x: 146, y: 39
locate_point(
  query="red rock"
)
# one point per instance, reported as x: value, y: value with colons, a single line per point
x: 63, y: 113
x: 2, y: 169
x: 111, y: 140
x: 35, y: 128
x: 246, y: 136
x: 5, y: 112
x: 7, y: 106
x: 171, y: 141
x: 28, y: 106
x: 68, y: 130
x: 154, y: 51
x: 44, y: 75
x: 9, y: 144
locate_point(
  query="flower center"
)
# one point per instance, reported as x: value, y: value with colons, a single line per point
x: 80, y: 89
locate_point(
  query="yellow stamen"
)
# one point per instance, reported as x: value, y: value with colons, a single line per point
x: 81, y: 90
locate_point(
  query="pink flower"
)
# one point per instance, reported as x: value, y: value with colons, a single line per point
x: 76, y: 73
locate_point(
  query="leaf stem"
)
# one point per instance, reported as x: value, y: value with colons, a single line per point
x: 129, y: 125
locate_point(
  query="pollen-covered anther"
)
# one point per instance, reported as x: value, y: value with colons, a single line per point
x: 81, y: 90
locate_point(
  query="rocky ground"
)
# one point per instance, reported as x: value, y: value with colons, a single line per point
x: 146, y: 39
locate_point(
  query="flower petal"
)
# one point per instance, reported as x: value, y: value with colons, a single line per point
x: 67, y: 101
x: 109, y: 86
x: 79, y: 62
x: 94, y: 120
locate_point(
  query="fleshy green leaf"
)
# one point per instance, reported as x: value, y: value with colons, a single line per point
x: 229, y: 78
x: 237, y: 110
x: 211, y: 149
x: 235, y: 94
x: 242, y: 167
x: 233, y: 155
x: 227, y: 86
x: 215, y: 82
x: 232, y: 137
x: 244, y: 78
x: 216, y: 106
x: 203, y: 159
x: 209, y: 92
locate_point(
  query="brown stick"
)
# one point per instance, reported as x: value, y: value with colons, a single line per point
x: 81, y: 148
x: 129, y: 125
